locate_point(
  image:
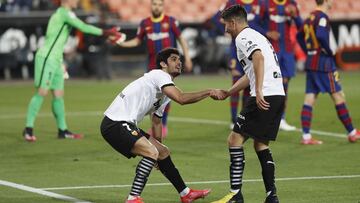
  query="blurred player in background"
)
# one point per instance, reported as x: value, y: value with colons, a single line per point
x: 321, y: 74
x: 49, y: 72
x: 255, y: 10
x: 159, y: 31
x: 261, y: 115
x: 119, y: 126
x: 279, y: 15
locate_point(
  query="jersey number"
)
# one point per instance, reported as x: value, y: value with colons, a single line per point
x: 310, y: 35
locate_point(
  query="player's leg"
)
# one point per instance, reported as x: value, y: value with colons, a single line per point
x: 268, y: 169
x: 312, y: 89
x: 58, y: 106
x: 287, y: 65
x: 126, y: 139
x: 236, y: 168
x: 344, y: 116
x: 169, y: 170
x: 43, y: 77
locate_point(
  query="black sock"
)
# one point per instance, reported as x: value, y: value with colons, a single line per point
x: 143, y: 170
x: 237, y: 165
x: 268, y: 169
x: 169, y: 170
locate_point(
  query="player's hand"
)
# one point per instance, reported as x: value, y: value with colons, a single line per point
x: 291, y: 9
x: 260, y: 101
x: 274, y: 35
x: 118, y: 38
x: 188, y: 65
x: 218, y: 94
x: 110, y: 32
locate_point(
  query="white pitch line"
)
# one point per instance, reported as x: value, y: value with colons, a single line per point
x: 204, y: 182
x: 41, y: 192
x: 176, y: 119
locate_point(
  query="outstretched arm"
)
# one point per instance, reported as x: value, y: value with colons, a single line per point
x: 130, y: 43
x: 183, y: 98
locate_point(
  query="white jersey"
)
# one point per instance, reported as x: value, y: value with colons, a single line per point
x: 141, y: 97
x: 248, y: 41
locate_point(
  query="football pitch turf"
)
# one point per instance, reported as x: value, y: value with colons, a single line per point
x: 90, y: 170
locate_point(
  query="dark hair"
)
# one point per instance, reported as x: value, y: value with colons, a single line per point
x: 319, y: 2
x: 235, y: 11
x: 164, y: 54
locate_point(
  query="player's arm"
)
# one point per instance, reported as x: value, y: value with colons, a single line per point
x: 156, y: 127
x: 258, y: 65
x: 130, y: 43
x: 322, y: 34
x: 239, y: 85
x: 71, y: 19
x: 183, y: 98
x: 185, y: 48
x: 300, y: 39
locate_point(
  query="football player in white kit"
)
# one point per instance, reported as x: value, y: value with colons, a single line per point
x: 261, y: 115
x: 149, y: 95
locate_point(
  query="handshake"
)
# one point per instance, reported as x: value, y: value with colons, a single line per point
x: 114, y: 36
x: 218, y: 94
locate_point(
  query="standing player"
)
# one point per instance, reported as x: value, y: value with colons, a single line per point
x: 261, y: 115
x: 280, y: 14
x: 159, y: 31
x: 321, y: 74
x: 149, y: 95
x: 255, y: 10
x: 49, y: 74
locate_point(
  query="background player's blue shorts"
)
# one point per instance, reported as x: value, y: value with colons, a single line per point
x: 287, y: 64
x: 323, y: 82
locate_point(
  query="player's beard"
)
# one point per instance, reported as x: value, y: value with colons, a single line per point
x: 156, y: 14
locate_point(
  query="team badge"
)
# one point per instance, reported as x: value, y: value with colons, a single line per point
x: 165, y: 26
x: 135, y: 133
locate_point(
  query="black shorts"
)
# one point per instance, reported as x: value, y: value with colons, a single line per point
x: 259, y: 124
x: 121, y: 135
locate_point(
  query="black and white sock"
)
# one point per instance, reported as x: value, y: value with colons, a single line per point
x: 237, y: 165
x: 142, y: 173
x: 169, y: 170
x: 268, y: 170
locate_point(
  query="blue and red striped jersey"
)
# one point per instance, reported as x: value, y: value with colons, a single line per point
x: 159, y: 33
x: 279, y: 18
x: 314, y: 37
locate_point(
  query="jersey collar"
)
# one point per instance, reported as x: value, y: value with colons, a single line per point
x: 158, y: 19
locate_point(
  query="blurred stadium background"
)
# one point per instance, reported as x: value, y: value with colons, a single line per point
x: 23, y: 24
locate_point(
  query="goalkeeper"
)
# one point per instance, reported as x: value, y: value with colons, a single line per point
x: 49, y: 74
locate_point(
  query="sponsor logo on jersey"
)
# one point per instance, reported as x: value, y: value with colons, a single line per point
x: 277, y: 74
x: 165, y: 26
x: 135, y: 133
x: 158, y: 36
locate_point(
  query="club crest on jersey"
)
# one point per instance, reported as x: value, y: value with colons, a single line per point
x: 135, y: 133
x: 165, y: 26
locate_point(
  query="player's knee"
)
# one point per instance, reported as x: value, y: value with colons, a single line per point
x: 235, y: 140
x: 164, y: 152
x: 260, y: 146
x: 151, y: 152
x: 42, y: 92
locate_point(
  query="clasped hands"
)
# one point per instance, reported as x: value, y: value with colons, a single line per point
x: 218, y: 94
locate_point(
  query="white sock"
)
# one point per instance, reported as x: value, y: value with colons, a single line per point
x: 352, y: 133
x: 130, y: 197
x: 306, y: 136
x: 185, y: 192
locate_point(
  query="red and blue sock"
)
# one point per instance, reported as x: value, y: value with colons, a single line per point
x: 344, y: 116
x: 306, y: 116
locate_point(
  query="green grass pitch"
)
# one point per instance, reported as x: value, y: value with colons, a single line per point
x: 329, y: 173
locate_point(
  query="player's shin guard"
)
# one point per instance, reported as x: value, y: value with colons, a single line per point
x: 268, y: 170
x: 306, y: 116
x: 58, y: 109
x: 344, y: 116
x: 143, y: 170
x: 169, y: 170
x: 33, y: 109
x: 237, y: 165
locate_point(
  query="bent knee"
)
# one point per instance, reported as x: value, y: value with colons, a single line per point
x: 164, y: 152
x: 151, y: 152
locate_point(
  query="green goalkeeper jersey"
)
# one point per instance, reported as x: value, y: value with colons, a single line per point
x: 58, y: 31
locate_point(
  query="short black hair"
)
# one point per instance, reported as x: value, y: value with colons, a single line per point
x: 235, y: 11
x: 319, y: 2
x: 164, y: 54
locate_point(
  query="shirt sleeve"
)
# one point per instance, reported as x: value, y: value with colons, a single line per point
x: 162, y: 80
x: 247, y: 44
x: 175, y: 27
x: 323, y: 34
x: 141, y: 31
x: 71, y: 19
